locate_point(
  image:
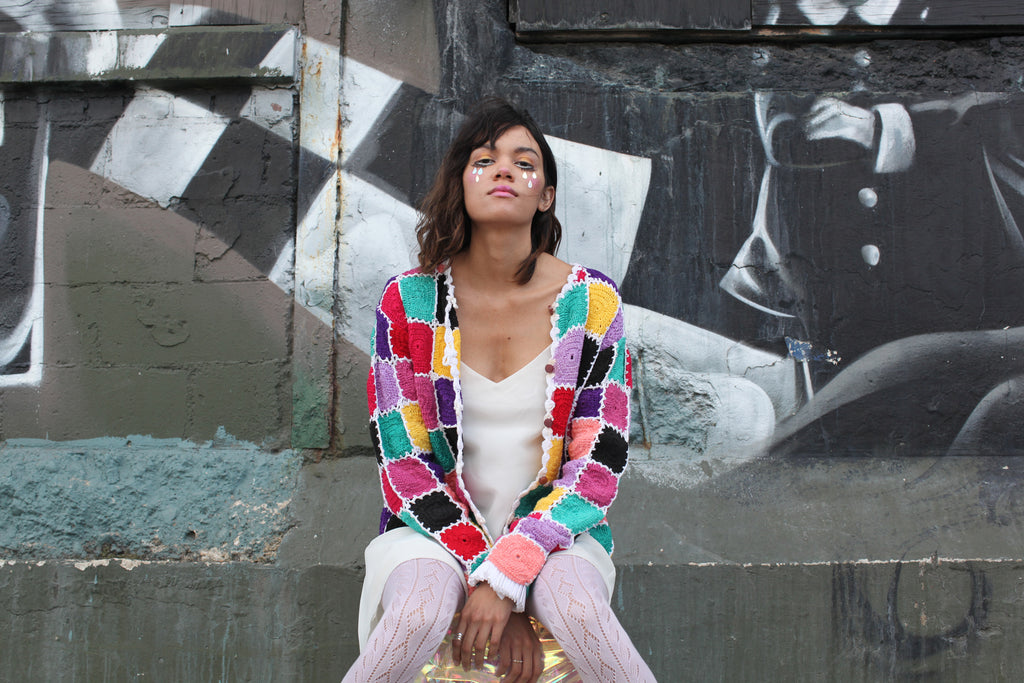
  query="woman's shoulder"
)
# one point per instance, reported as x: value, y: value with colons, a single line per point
x: 411, y: 288
x: 557, y: 269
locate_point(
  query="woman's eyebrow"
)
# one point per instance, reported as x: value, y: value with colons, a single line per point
x: 531, y: 150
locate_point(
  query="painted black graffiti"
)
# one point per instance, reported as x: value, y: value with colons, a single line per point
x: 881, y: 636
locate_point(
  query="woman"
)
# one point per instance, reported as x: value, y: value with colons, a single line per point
x: 500, y: 424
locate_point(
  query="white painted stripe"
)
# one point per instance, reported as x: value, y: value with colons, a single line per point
x: 283, y: 272
x: 378, y: 240
x: 32, y: 321
x: 158, y: 145
x: 601, y: 196
x: 283, y: 57
x: 367, y: 93
x: 315, y: 254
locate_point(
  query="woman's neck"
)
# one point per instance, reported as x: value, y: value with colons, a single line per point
x: 493, y: 259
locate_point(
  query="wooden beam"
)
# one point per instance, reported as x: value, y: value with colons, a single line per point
x: 221, y: 12
x: 613, y: 15
x: 81, y: 15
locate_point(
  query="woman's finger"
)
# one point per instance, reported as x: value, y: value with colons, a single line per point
x: 480, y: 648
x: 515, y: 670
x: 457, y: 641
x: 504, y: 659
x: 468, y: 640
x: 537, y: 656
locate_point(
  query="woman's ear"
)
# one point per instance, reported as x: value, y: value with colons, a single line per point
x: 547, y: 198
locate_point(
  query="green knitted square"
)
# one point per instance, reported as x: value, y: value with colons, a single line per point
x: 442, y: 451
x: 419, y: 297
x: 394, y: 439
x: 618, y: 371
x: 572, y: 308
x: 529, y: 501
x: 575, y: 513
x: 602, y: 533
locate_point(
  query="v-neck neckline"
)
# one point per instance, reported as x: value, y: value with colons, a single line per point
x: 546, y: 351
x: 570, y: 280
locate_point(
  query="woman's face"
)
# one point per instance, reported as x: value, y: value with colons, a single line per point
x: 505, y: 184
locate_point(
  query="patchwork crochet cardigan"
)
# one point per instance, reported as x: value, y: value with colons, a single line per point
x: 415, y: 408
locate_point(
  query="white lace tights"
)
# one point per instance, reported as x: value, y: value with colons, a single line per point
x: 570, y: 598
x: 420, y: 598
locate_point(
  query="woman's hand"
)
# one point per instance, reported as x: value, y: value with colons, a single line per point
x: 483, y: 621
x: 522, y: 659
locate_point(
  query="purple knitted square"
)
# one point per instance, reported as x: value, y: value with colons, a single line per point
x: 445, y: 401
x: 549, y: 535
x: 388, y: 395
x: 567, y: 357
x: 614, y: 332
x: 383, y: 350
x: 589, y: 403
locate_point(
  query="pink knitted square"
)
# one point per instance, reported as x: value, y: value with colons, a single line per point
x: 615, y: 408
x: 410, y: 477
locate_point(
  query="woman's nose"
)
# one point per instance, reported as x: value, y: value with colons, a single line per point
x: 504, y: 171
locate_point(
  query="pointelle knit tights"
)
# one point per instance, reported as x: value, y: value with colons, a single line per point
x: 569, y: 597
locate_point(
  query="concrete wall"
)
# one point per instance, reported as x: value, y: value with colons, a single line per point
x: 814, y: 214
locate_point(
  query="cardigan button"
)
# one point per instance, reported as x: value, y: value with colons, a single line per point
x: 549, y: 368
x: 548, y: 422
x: 542, y: 481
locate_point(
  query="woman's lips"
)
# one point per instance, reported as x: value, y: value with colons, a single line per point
x: 503, y: 191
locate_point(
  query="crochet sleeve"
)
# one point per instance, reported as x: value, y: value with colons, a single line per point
x: 408, y: 399
x: 591, y: 414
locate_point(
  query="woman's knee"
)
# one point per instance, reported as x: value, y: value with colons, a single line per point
x: 423, y: 592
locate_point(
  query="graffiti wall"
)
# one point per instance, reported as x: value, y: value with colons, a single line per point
x: 814, y: 211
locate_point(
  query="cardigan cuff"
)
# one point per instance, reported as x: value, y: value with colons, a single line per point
x: 500, y: 584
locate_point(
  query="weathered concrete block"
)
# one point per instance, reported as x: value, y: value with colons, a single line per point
x: 176, y: 621
x: 165, y: 324
x: 248, y: 400
x: 79, y: 402
x: 87, y: 245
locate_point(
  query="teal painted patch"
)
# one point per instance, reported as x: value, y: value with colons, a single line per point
x: 575, y: 513
x: 419, y: 297
x: 310, y: 425
x: 572, y: 308
x: 442, y: 451
x: 144, y: 498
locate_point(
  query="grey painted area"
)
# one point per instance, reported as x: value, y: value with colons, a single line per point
x: 144, y: 497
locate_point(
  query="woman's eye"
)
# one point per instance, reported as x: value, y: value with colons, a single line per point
x: 483, y: 161
x: 525, y: 165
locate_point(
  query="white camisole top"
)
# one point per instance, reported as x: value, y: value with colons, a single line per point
x: 501, y: 437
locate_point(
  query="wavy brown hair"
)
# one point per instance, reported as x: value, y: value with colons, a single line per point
x: 444, y: 226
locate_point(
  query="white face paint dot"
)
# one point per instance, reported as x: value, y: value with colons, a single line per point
x: 524, y: 175
x: 870, y: 254
x: 868, y: 197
